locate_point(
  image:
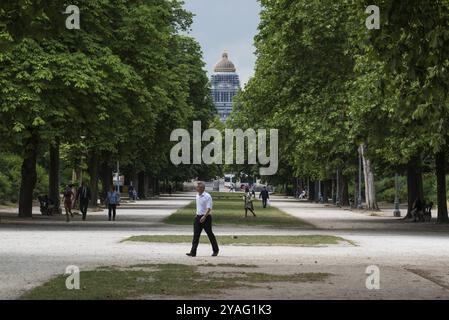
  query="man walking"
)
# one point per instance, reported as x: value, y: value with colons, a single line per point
x: 264, y: 194
x: 203, y: 220
x: 84, y: 197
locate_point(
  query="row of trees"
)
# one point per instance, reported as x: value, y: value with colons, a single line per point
x: 338, y: 91
x: 111, y: 91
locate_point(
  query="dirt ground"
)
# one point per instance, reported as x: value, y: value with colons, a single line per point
x: 413, y: 259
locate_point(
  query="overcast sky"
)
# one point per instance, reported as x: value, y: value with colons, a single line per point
x: 226, y: 25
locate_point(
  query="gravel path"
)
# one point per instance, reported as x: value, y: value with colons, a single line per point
x: 413, y: 258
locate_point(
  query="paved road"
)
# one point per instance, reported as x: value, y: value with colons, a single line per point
x: 413, y: 259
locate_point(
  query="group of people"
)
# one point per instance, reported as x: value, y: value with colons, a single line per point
x: 83, y: 196
x: 301, y: 194
x: 132, y: 193
x: 249, y: 197
x: 421, y: 211
x: 203, y: 216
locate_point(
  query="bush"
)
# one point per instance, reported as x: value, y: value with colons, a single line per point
x: 10, y: 175
x: 5, y: 187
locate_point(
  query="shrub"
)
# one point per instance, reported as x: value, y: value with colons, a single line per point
x: 10, y: 175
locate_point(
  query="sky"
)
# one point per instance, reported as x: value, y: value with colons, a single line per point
x: 226, y: 25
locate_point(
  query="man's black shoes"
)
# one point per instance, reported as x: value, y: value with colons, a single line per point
x: 194, y: 254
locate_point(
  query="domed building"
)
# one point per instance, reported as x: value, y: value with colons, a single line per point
x: 225, y: 85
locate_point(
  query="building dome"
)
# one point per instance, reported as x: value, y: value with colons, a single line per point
x: 225, y: 65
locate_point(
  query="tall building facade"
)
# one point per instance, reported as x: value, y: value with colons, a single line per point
x: 225, y: 85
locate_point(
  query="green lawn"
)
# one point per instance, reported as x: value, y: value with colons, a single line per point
x: 113, y: 283
x: 228, y: 210
x: 306, y: 240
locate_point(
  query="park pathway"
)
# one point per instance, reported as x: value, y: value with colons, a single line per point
x: 414, y: 261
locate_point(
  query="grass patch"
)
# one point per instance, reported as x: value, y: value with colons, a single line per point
x: 228, y: 265
x: 304, y: 240
x: 114, y: 283
x: 229, y: 210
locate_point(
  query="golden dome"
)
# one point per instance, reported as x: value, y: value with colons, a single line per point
x: 224, y: 65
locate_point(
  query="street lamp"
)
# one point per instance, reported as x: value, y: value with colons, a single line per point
x: 320, y: 198
x: 118, y: 177
x: 397, y: 210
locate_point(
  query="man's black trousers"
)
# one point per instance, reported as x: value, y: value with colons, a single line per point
x: 264, y: 202
x: 84, y: 204
x: 198, y: 228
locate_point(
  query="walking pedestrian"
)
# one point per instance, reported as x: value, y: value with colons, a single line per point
x: 203, y: 220
x: 83, y: 195
x: 68, y: 202
x: 264, y: 195
x: 112, y: 201
x: 248, y: 198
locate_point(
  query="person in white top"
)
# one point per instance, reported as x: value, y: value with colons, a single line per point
x: 203, y: 220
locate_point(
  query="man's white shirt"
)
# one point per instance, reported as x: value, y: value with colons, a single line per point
x: 203, y: 203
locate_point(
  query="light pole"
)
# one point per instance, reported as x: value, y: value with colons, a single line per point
x: 320, y: 198
x: 359, y: 197
x: 118, y: 177
x: 397, y: 210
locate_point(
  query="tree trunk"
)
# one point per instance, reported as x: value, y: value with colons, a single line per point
x: 156, y: 186
x: 344, y: 192
x: 326, y: 191
x: 93, y: 172
x: 53, y: 177
x: 414, y: 185
x: 440, y: 161
x: 312, y: 192
x: 356, y: 191
x: 28, y: 177
x: 370, y: 188
x: 106, y: 177
x: 142, y: 185
x: 148, y: 185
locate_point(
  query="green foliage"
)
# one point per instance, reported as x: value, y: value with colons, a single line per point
x: 113, y: 90
x: 10, y: 166
x: 329, y: 84
x: 300, y: 86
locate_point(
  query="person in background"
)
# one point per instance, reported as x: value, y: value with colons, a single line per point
x: 84, y: 196
x: 417, y: 209
x: 264, y: 195
x: 112, y: 201
x: 203, y: 220
x: 248, y: 198
x: 68, y: 202
x: 131, y: 193
x: 170, y: 189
